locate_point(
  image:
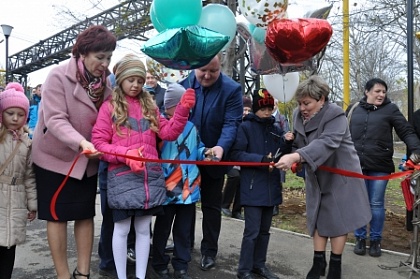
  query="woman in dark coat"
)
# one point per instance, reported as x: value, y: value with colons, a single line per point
x: 371, y: 125
x: 335, y: 204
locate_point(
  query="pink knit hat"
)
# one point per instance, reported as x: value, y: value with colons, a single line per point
x: 15, y: 85
x: 12, y: 98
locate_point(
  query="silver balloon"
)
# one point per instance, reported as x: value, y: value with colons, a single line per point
x: 321, y: 13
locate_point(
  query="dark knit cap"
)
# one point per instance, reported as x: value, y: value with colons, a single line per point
x: 262, y: 99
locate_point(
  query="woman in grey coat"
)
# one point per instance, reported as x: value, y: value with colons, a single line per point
x: 335, y: 204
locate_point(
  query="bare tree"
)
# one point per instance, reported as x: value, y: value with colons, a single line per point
x: 374, y: 52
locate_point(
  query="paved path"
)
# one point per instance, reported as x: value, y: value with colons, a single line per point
x: 289, y: 256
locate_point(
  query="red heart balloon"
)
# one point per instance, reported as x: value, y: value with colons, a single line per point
x: 297, y: 40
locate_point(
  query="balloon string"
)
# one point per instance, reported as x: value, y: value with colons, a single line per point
x: 286, y: 109
x: 284, y: 89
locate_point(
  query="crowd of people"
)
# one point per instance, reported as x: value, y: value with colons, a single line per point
x: 123, y: 122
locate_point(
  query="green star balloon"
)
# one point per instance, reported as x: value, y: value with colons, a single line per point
x: 185, y: 48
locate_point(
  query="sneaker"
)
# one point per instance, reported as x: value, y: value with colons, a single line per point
x: 375, y: 248
x: 161, y: 274
x: 181, y: 274
x: 131, y: 256
x: 226, y: 212
x: 360, y: 247
x: 108, y: 273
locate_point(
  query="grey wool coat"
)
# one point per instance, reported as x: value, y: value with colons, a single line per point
x: 335, y: 204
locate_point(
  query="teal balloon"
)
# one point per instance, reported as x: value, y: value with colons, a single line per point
x: 259, y: 34
x: 185, y: 48
x: 153, y: 18
x: 177, y: 13
x: 251, y: 27
x: 219, y: 18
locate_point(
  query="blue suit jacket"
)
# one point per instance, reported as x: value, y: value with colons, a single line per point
x: 221, y: 114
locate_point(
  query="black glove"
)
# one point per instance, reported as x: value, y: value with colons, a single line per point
x: 415, y: 158
x: 266, y: 159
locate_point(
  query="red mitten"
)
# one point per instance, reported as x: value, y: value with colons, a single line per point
x: 188, y: 98
x: 135, y: 166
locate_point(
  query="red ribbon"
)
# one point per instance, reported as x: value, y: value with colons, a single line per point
x: 206, y: 163
x: 57, y: 192
x: 409, y: 164
x: 359, y: 175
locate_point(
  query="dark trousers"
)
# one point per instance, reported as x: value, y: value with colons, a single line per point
x: 232, y: 191
x: 211, y: 204
x: 255, y: 238
x: 181, y: 215
x: 107, y: 227
x: 7, y: 261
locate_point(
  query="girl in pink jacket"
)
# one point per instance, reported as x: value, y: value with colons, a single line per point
x: 130, y: 124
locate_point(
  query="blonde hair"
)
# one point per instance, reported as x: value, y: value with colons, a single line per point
x: 120, y: 112
x: 314, y: 87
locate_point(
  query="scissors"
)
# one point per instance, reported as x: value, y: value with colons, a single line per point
x: 277, y: 155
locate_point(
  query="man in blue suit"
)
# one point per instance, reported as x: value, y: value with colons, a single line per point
x: 217, y: 114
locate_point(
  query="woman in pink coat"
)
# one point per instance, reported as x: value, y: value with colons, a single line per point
x: 71, y: 97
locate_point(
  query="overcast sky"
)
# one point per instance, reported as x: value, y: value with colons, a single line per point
x: 35, y: 20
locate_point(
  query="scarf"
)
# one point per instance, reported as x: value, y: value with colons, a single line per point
x: 94, y: 86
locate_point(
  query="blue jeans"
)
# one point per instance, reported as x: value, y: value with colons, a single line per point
x: 376, y: 192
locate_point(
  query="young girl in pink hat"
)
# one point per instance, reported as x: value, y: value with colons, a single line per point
x: 18, y: 200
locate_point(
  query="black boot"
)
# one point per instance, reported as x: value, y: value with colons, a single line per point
x: 375, y: 248
x: 334, y: 270
x: 360, y: 247
x: 318, y: 267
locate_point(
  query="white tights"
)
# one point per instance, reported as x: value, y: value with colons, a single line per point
x: 119, y: 245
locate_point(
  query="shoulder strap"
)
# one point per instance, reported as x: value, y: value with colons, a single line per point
x: 9, y: 159
x: 351, y: 112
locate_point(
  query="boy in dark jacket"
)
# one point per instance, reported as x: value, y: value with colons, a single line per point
x: 259, y: 140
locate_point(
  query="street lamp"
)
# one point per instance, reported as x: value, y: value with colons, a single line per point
x: 7, y: 30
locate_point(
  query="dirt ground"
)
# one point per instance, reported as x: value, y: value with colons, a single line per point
x: 395, y: 235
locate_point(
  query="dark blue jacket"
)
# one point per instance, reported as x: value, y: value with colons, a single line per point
x: 256, y: 138
x: 216, y: 114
